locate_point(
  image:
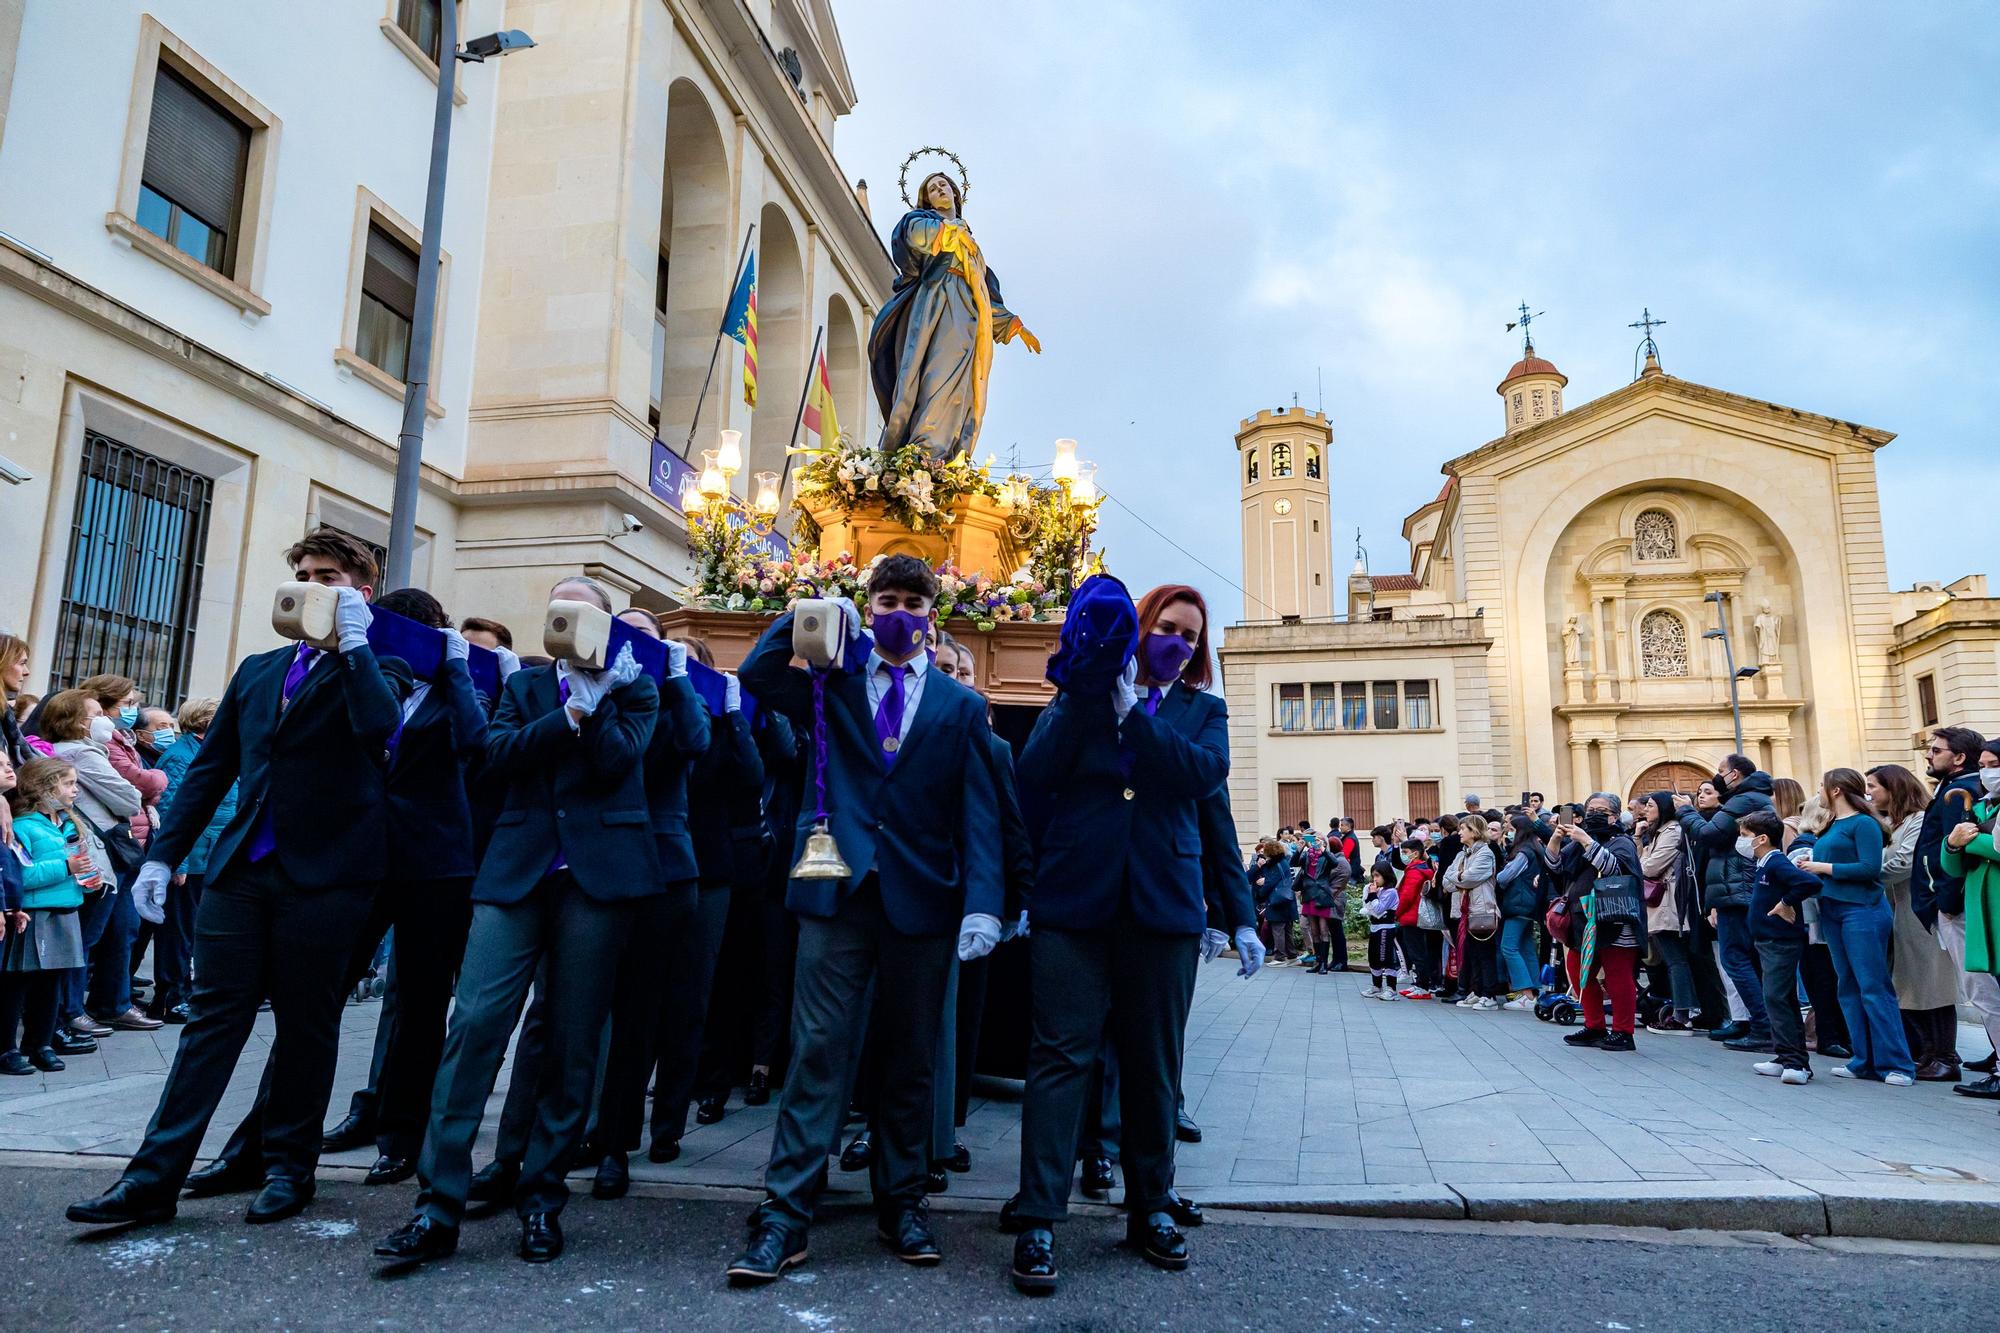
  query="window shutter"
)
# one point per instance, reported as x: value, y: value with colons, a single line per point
x: 196, y: 152
x: 389, y: 273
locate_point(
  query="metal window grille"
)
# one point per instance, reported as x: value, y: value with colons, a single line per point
x: 1325, y: 708
x: 1291, y: 708
x: 133, y: 578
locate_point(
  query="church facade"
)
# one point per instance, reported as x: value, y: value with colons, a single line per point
x: 1582, y: 593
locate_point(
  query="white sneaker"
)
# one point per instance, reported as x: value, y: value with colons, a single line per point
x: 1796, y: 1076
x: 1520, y: 1002
x: 1842, y: 1071
x: 1898, y: 1080
x: 1487, y: 1004
x: 1394, y: 995
x: 1769, y: 1068
x: 1469, y: 1002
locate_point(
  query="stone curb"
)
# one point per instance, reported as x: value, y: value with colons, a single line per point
x: 1910, y: 1210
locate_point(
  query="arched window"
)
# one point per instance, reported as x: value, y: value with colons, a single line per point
x: 1663, y: 644
x: 1250, y: 470
x: 1312, y: 461
x: 1281, y: 460
x: 1655, y: 536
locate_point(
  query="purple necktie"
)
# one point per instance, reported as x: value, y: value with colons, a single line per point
x: 562, y: 699
x: 889, y: 715
x: 264, y: 838
x: 1153, y: 697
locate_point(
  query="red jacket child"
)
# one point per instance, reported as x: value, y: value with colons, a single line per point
x: 1411, y: 891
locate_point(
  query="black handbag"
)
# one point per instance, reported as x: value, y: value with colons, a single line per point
x: 121, y: 848
x: 1618, y: 900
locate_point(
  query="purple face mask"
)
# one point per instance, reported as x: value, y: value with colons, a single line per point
x: 1161, y: 656
x: 899, y: 634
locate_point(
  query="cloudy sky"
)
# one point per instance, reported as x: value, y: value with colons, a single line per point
x: 1200, y: 208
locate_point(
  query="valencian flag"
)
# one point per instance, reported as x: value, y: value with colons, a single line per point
x: 739, y: 321
x: 819, y: 418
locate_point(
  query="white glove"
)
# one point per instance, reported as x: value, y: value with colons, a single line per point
x: 1016, y: 930
x: 732, y: 695
x: 1250, y: 950
x: 510, y: 662
x: 977, y: 935
x: 1213, y: 942
x: 456, y: 649
x: 351, y: 618
x: 851, y: 631
x: 1125, y: 692
x: 586, y: 688
x: 677, y: 658
x: 149, y: 891
x: 623, y: 670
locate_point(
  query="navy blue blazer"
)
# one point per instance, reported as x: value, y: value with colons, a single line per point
x: 581, y: 792
x: 927, y: 827
x: 1225, y: 881
x: 1017, y: 851
x: 320, y: 769
x: 725, y: 798
x: 1145, y: 823
x: 430, y: 811
x: 782, y: 748
x: 679, y: 739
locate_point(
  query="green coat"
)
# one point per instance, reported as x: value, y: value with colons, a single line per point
x: 1978, y: 863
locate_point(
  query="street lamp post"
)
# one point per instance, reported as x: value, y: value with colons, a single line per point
x: 423, y: 317
x: 1721, y: 631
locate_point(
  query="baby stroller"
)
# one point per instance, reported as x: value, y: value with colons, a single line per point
x: 1555, y: 1004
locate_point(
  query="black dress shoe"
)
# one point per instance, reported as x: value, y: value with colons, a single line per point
x: 47, y: 1061
x: 709, y: 1110
x: 1986, y: 1089
x: 1837, y: 1052
x: 1185, y: 1211
x: 1986, y: 1064
x: 907, y: 1233
x: 772, y: 1249
x: 175, y: 1014
x: 541, y: 1238
x: 13, y: 1062
x: 960, y: 1159
x: 1729, y: 1031
x: 279, y: 1199
x: 935, y: 1180
x: 356, y: 1131
x: 1010, y: 1217
x: 759, y: 1090
x: 858, y: 1154
x: 123, y: 1205
x: 1097, y: 1178
x: 1752, y: 1042
x: 663, y: 1150
x: 1158, y: 1242
x: 418, y: 1240
x: 493, y: 1183
x: 390, y: 1170
x: 612, y: 1178
x: 1185, y: 1129
x: 1035, y: 1262
x: 66, y: 1042
x: 223, y: 1176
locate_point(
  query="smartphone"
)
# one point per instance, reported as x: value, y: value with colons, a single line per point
x: 1565, y: 818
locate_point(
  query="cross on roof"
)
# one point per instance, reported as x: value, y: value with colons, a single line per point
x: 1527, y: 336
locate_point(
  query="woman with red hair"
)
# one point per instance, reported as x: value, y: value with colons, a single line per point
x: 1128, y: 777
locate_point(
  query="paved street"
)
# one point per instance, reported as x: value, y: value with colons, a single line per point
x: 650, y: 1262
x: 1304, y: 1089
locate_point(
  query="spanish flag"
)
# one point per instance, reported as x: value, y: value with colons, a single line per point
x: 739, y: 321
x: 819, y: 418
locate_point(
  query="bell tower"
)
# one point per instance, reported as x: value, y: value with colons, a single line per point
x: 1281, y: 466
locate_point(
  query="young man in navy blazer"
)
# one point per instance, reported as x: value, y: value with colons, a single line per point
x: 303, y: 733
x: 572, y: 855
x: 424, y: 899
x: 917, y: 824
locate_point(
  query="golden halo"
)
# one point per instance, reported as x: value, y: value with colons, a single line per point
x: 903, y: 178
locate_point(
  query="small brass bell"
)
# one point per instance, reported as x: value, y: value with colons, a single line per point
x: 821, y: 859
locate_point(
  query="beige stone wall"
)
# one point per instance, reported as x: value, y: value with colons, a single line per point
x: 1957, y: 644
x: 11, y: 14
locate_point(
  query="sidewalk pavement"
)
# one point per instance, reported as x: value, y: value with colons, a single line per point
x: 1314, y: 1098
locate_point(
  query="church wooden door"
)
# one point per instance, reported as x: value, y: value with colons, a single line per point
x: 1678, y: 776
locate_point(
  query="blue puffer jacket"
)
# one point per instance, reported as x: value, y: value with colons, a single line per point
x: 174, y: 762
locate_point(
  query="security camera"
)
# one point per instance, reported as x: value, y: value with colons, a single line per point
x: 629, y: 524
x: 479, y: 49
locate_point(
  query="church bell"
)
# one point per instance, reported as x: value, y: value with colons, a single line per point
x: 821, y: 859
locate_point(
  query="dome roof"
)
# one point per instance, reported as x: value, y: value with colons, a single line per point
x: 1531, y: 365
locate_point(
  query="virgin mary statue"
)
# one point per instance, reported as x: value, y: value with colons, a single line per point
x: 932, y: 343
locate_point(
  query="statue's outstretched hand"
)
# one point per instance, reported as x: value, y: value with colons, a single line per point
x: 1029, y: 340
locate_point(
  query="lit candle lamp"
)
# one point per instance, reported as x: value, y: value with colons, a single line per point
x: 714, y: 482
x: 766, y: 503
x: 730, y: 455
x: 1064, y: 468
x: 1085, y: 489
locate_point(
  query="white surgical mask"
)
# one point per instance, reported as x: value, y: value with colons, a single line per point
x: 101, y: 729
x: 1990, y: 778
x: 1746, y: 847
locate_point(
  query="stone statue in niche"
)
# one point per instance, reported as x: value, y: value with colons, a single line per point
x: 1768, y: 626
x: 1572, y: 638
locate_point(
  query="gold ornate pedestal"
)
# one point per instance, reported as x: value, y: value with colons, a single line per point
x: 976, y: 541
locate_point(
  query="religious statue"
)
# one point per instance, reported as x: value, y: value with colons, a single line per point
x: 1767, y: 624
x: 932, y: 344
x: 1572, y: 644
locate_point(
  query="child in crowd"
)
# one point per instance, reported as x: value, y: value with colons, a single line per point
x: 1383, y: 904
x: 1419, y: 944
x: 44, y: 938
